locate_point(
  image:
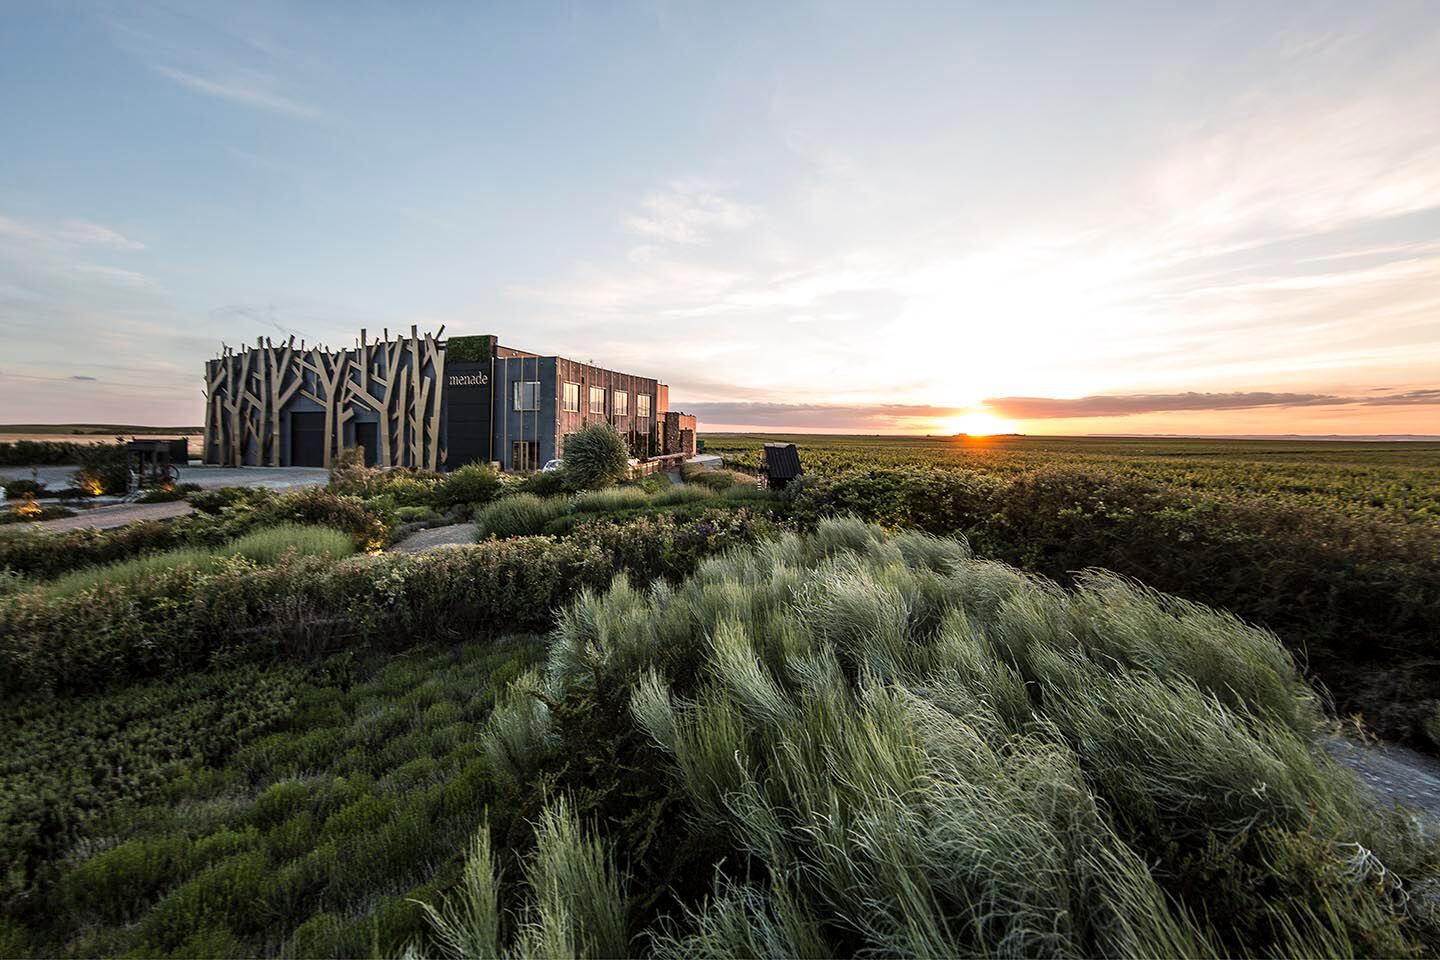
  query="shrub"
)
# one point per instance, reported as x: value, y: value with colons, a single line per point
x: 346, y: 837
x: 104, y: 468
x: 676, y: 496
x: 1359, y: 597
x: 15, y: 489
x: 216, y: 500
x: 50, y: 554
x: 263, y: 546
x: 595, y: 456
x: 879, y: 745
x: 471, y: 484
x: 179, y: 619
x: 271, y: 544
x: 520, y: 514
x: 715, y: 479
x: 68, y: 766
x: 169, y: 494
x: 39, y: 453
x: 608, y: 501
x: 29, y: 511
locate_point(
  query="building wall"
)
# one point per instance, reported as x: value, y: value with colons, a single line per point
x: 679, y: 433
x: 275, y: 384
x: 639, y: 432
x: 528, y: 426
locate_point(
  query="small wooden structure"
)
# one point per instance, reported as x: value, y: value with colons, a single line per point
x: 150, y: 462
x: 782, y: 464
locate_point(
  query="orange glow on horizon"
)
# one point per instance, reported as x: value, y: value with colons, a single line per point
x: 978, y: 424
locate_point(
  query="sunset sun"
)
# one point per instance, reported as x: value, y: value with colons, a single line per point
x: 978, y: 424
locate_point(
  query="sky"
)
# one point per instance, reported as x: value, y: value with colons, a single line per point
x: 1050, y: 218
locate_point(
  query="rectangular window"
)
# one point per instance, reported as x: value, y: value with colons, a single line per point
x: 524, y: 454
x: 620, y: 403
x: 642, y: 405
x: 572, y: 397
x: 527, y: 395
x: 597, y: 400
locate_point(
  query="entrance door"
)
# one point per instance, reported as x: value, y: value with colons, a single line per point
x: 367, y: 438
x: 307, y: 439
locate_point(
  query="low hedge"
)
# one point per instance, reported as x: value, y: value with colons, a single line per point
x: 186, y: 619
x: 43, y: 555
x: 1358, y: 600
x: 39, y: 453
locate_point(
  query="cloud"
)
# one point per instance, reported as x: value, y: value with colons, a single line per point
x: 250, y: 87
x: 73, y: 232
x: 128, y: 278
x: 79, y: 377
x: 96, y: 234
x: 688, y: 211
x: 825, y: 415
x: 1125, y: 405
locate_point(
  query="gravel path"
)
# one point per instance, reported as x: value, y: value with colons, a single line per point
x: 437, y: 538
x: 1394, y: 774
x: 116, y: 516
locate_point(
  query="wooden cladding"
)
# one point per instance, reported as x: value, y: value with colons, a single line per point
x: 246, y: 393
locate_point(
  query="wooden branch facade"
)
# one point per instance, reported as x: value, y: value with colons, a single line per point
x: 422, y: 401
x: 288, y: 405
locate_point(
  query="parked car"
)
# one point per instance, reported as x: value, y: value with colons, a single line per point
x: 552, y: 465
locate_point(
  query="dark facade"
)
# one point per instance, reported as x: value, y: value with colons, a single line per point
x: 424, y: 401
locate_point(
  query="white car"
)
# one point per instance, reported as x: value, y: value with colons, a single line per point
x: 552, y: 465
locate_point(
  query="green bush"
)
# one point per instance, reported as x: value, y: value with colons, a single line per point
x: 675, y: 496
x: 180, y: 619
x: 609, y: 501
x: 69, y: 764
x: 180, y: 491
x: 215, y: 501
x: 39, y: 453
x: 596, y: 456
x: 228, y: 514
x: 104, y: 468
x: 271, y: 544
x: 520, y: 514
x: 264, y: 546
x: 471, y: 484
x: 541, y: 483
x: 16, y: 489
x: 881, y: 746
x: 1359, y: 597
x: 35, y: 514
x: 715, y: 479
x: 325, y: 846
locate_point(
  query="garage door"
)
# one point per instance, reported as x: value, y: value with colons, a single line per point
x: 307, y: 439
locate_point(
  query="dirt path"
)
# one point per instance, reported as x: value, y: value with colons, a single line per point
x: 437, y: 538
x: 1394, y: 774
x: 116, y: 516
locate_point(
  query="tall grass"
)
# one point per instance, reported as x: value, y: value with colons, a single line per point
x: 920, y: 753
x: 610, y: 500
x: 574, y: 903
x: 266, y: 546
x: 679, y: 495
x: 520, y: 514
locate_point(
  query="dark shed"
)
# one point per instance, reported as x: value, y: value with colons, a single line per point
x: 782, y: 464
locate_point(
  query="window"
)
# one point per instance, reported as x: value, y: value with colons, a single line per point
x: 620, y: 403
x: 572, y: 397
x: 597, y: 400
x: 524, y: 455
x: 642, y: 405
x: 527, y: 395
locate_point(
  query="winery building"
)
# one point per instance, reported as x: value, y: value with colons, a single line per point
x: 424, y: 401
